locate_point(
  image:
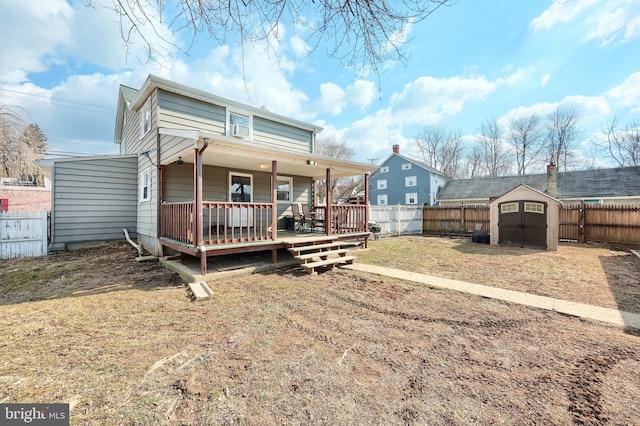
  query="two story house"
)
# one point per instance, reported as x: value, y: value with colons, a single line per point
x: 199, y: 174
x: 403, y: 180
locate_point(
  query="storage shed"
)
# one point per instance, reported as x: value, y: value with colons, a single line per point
x: 525, y: 217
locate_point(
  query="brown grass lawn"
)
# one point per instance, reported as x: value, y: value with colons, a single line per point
x: 121, y: 342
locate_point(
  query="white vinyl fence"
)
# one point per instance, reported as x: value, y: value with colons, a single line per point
x: 23, y: 234
x: 397, y: 220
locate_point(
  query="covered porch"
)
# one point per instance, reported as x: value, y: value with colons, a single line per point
x: 252, y: 215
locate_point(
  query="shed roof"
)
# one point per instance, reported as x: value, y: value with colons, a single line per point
x: 595, y: 183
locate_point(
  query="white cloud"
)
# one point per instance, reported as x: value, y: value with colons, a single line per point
x: 427, y: 99
x: 31, y: 33
x: 618, y: 21
x: 627, y: 93
x: 560, y: 11
x: 333, y: 98
x: 545, y: 79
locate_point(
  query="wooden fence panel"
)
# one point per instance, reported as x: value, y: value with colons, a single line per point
x: 23, y: 234
x: 612, y: 223
x: 578, y: 222
x: 455, y: 220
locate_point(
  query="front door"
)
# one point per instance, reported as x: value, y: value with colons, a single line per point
x: 523, y: 223
x: 241, y: 191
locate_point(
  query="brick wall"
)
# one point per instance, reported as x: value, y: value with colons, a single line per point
x: 26, y: 199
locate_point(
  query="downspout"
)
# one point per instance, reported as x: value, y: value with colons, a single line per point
x: 366, y: 204
x: 199, y: 224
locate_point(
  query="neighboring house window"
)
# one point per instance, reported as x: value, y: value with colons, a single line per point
x: 145, y: 118
x: 239, y: 125
x: 406, y: 166
x: 593, y: 202
x: 411, y: 198
x: 410, y: 181
x: 509, y: 208
x: 384, y: 169
x: 382, y: 184
x: 534, y: 207
x: 285, y: 189
x: 145, y: 185
x: 382, y: 200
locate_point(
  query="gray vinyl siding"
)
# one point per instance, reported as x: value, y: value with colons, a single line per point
x: 173, y: 147
x: 281, y: 135
x: 94, y: 199
x: 178, y: 112
x: 179, y: 186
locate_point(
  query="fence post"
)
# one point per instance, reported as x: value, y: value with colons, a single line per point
x: 581, y: 223
x: 462, y: 219
x: 45, y: 231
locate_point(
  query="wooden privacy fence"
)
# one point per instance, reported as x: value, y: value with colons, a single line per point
x: 455, y: 220
x: 23, y: 234
x: 607, y: 223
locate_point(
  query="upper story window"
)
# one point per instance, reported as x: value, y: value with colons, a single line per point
x: 384, y: 169
x: 410, y: 181
x: 406, y: 166
x: 239, y: 125
x: 145, y: 118
x: 382, y: 200
x: 382, y: 184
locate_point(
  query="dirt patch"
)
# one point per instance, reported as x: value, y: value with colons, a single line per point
x: 123, y: 344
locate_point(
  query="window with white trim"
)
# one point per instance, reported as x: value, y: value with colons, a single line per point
x: 285, y: 189
x: 144, y: 185
x: 410, y: 181
x: 509, y: 208
x: 382, y: 200
x: 534, y: 207
x: 145, y: 118
x: 406, y: 166
x: 384, y: 169
x: 411, y: 198
x: 239, y: 125
x: 382, y: 184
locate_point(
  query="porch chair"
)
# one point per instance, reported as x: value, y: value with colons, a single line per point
x: 311, y: 218
x: 298, y: 218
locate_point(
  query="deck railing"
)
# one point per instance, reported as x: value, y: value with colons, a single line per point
x: 345, y: 218
x: 223, y: 222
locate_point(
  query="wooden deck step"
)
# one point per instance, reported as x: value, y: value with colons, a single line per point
x: 310, y: 267
x: 322, y: 254
x: 333, y: 244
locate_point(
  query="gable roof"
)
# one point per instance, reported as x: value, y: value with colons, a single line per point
x: 596, y: 183
x: 522, y: 185
x: 411, y: 160
x: 154, y: 82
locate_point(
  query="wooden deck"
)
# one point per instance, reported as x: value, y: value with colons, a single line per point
x: 286, y: 239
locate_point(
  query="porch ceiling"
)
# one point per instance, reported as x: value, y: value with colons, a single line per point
x: 235, y: 153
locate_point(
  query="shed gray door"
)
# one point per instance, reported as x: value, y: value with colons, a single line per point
x: 523, y: 223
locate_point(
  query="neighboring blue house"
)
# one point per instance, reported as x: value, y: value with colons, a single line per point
x: 403, y: 180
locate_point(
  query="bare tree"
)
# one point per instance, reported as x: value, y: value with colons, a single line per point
x: 331, y: 146
x: 562, y: 133
x: 474, y: 163
x: 526, y: 139
x: 441, y: 149
x: 623, y: 145
x: 366, y: 33
x: 496, y: 159
x: 20, y: 145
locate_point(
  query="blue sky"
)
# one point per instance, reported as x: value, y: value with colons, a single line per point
x: 63, y: 62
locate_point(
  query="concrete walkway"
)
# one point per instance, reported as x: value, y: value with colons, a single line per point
x: 613, y: 316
